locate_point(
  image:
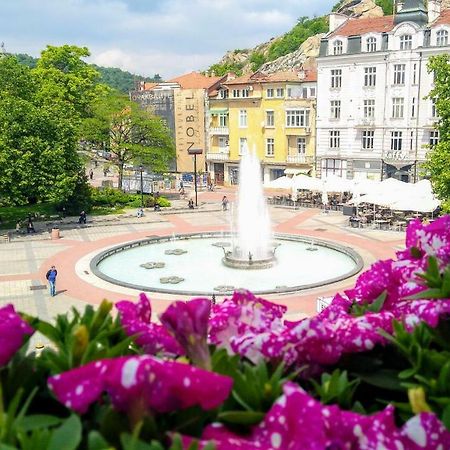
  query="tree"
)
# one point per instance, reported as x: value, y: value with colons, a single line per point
x: 130, y: 134
x: 438, y: 158
x: 40, y: 113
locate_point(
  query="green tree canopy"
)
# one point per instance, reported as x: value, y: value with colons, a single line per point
x: 129, y: 133
x: 438, y: 158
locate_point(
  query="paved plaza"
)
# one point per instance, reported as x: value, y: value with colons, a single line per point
x: 26, y: 259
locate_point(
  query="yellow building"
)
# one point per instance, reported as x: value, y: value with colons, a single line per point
x: 271, y: 114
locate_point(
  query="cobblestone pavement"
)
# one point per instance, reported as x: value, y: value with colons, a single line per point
x: 25, y: 260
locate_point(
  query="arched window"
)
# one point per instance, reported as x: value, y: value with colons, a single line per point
x: 442, y: 38
x: 337, y: 48
x: 371, y: 44
x: 406, y: 42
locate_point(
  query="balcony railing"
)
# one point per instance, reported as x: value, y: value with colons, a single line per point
x: 219, y: 131
x: 365, y: 122
x: 299, y: 159
x: 218, y: 156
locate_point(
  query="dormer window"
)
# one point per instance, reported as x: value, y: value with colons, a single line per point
x: 223, y: 93
x: 337, y: 48
x: 442, y: 38
x: 406, y: 42
x: 371, y: 44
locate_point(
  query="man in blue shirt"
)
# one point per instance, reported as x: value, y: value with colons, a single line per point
x: 51, y: 277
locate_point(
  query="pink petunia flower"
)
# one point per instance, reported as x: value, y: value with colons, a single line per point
x: 13, y: 329
x: 152, y: 337
x: 140, y: 384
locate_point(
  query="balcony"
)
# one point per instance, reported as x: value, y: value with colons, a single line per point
x: 365, y: 122
x: 219, y: 131
x: 299, y: 159
x: 296, y: 131
x: 218, y: 156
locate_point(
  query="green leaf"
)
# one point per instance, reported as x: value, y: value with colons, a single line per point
x: 241, y: 417
x: 446, y: 417
x: 97, y: 442
x: 384, y: 378
x: 68, y: 435
x: 35, y: 421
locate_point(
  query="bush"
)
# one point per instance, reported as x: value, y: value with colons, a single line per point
x: 81, y: 198
x: 113, y: 197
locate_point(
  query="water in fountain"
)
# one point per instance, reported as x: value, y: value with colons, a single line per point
x: 254, y: 229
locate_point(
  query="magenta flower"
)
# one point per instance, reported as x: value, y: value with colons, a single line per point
x: 188, y: 323
x: 140, y: 384
x: 297, y: 421
x: 13, y: 329
x: 153, y: 338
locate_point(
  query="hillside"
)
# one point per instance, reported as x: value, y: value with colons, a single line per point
x: 118, y: 79
x: 297, y: 47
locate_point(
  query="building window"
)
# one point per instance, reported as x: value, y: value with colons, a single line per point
x: 312, y: 92
x: 411, y: 141
x: 297, y: 118
x: 269, y: 93
x: 406, y: 42
x: 335, y: 139
x: 434, y: 138
x: 305, y: 92
x: 280, y: 92
x: 245, y: 92
x: 399, y: 74
x: 236, y: 93
x: 223, y: 120
x: 223, y: 93
x: 336, y: 78
x: 335, y: 167
x: 270, y: 118
x: 442, y: 38
x: 242, y: 146
x: 371, y: 44
x: 433, y: 108
x: 270, y: 146
x: 413, y: 107
x: 337, y: 48
x: 414, y: 73
x: 335, y: 109
x: 301, y: 145
x: 223, y: 142
x: 369, y: 109
x: 396, y: 140
x: 243, y: 118
x: 398, y: 104
x: 367, y: 139
x: 370, y: 76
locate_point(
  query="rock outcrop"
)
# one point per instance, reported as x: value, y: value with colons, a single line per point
x: 360, y: 8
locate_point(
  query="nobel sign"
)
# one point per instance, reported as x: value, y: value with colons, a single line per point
x: 190, y: 126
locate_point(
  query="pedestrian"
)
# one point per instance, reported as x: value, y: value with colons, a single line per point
x: 83, y: 218
x: 91, y: 174
x: 30, y: 226
x: 18, y: 224
x: 51, y: 278
x: 140, y: 212
x: 224, y: 203
x: 191, y: 204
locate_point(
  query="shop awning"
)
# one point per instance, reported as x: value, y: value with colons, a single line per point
x: 297, y: 171
x: 217, y: 111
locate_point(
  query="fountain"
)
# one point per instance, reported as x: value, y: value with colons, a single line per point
x: 252, y: 248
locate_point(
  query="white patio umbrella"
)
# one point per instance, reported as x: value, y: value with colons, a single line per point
x: 364, y: 186
x: 308, y: 183
x: 334, y: 183
x: 416, y: 204
x: 279, y: 183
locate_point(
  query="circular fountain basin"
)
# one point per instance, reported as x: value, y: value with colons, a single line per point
x: 193, y: 265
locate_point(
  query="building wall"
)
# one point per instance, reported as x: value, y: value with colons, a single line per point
x: 189, y: 128
x: 416, y: 129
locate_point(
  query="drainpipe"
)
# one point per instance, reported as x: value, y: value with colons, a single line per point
x: 386, y: 63
x: 417, y: 118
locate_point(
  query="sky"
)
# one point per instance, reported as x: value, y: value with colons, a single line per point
x: 169, y: 37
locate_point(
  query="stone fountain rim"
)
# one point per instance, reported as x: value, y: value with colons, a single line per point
x: 357, y: 259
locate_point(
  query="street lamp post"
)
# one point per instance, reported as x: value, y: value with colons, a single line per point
x: 195, y: 152
x: 142, y: 186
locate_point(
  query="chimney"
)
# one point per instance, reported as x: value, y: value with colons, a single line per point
x: 434, y: 10
x: 336, y: 20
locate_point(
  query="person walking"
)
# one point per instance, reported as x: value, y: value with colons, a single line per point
x: 30, y: 226
x: 51, y: 278
x: 83, y: 218
x: 224, y: 203
x: 91, y: 174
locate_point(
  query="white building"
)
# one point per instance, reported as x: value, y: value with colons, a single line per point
x: 373, y: 117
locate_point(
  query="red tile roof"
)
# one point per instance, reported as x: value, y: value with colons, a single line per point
x: 195, y: 80
x: 443, y: 19
x: 277, y: 77
x: 356, y: 27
